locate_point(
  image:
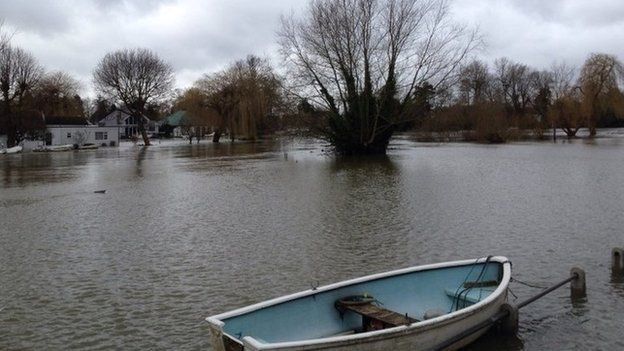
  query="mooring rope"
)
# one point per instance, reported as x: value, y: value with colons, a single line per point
x: 530, y: 285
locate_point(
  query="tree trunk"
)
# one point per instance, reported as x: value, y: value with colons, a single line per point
x: 11, y: 129
x: 216, y: 136
x: 141, y: 126
x: 554, y: 133
x: 11, y: 136
x: 592, y: 130
x: 570, y: 132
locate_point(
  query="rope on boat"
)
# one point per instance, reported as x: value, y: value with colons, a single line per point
x: 458, y: 294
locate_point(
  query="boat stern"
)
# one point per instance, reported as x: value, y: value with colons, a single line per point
x: 216, y: 334
x: 220, y: 340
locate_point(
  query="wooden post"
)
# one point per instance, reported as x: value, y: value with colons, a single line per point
x: 578, y: 288
x: 510, y: 324
x: 554, y: 132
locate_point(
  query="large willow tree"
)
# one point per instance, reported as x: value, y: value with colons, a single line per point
x: 599, y: 83
x: 363, y: 60
x: 245, y: 95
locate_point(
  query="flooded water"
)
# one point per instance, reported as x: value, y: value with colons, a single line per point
x: 184, y: 232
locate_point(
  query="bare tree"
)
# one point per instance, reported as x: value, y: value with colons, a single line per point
x: 541, y: 83
x: 135, y: 77
x: 19, y: 73
x: 514, y: 84
x: 562, y: 79
x: 599, y: 83
x: 362, y: 60
x: 5, y: 37
x: 474, y: 82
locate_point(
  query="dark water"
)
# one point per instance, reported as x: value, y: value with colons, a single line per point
x: 184, y: 232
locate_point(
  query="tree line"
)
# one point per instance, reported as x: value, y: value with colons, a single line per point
x: 491, y: 103
x: 27, y: 91
x: 373, y: 67
x: 355, y: 72
x: 243, y: 99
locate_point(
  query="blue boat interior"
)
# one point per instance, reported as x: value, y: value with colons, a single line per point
x: 414, y: 294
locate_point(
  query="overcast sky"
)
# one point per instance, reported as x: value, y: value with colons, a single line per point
x: 200, y: 36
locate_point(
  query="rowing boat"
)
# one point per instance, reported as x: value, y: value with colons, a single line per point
x: 12, y: 150
x: 414, y: 308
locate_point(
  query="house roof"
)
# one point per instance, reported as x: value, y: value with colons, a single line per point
x: 66, y: 120
x: 177, y: 119
x: 184, y: 118
x: 121, y: 114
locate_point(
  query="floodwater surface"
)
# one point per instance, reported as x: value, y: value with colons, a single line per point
x: 184, y: 232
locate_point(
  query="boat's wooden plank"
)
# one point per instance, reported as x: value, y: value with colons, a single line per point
x: 383, y: 315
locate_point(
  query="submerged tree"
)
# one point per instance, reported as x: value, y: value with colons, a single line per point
x: 362, y: 60
x: 598, y: 82
x: 244, y: 95
x: 198, y: 114
x: 566, y: 113
x: 135, y: 77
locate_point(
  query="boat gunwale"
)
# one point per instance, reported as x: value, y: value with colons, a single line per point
x: 216, y: 321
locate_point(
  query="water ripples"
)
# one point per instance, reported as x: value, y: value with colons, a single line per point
x: 186, y: 231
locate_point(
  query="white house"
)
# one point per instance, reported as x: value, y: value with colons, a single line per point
x: 127, y: 124
x: 73, y: 130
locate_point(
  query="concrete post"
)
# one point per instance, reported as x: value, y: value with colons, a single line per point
x: 577, y: 286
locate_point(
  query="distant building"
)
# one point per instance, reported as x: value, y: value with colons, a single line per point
x: 127, y: 124
x: 77, y: 130
x: 181, y: 123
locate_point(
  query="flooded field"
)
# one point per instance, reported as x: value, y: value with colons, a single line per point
x: 184, y: 232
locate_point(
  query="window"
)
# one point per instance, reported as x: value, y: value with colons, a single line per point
x: 68, y: 135
x: 101, y: 135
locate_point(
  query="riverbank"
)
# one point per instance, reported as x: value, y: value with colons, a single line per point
x: 511, y: 135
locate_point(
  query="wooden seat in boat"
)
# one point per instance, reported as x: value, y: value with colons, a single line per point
x: 373, y: 316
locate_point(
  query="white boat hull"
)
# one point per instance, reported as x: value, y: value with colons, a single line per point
x: 59, y: 148
x: 12, y: 150
x: 421, y: 335
x: 409, y: 338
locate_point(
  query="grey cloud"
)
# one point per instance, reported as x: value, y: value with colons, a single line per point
x: 575, y: 12
x: 40, y: 16
x: 201, y: 36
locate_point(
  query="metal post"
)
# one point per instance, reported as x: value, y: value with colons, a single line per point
x: 547, y: 291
